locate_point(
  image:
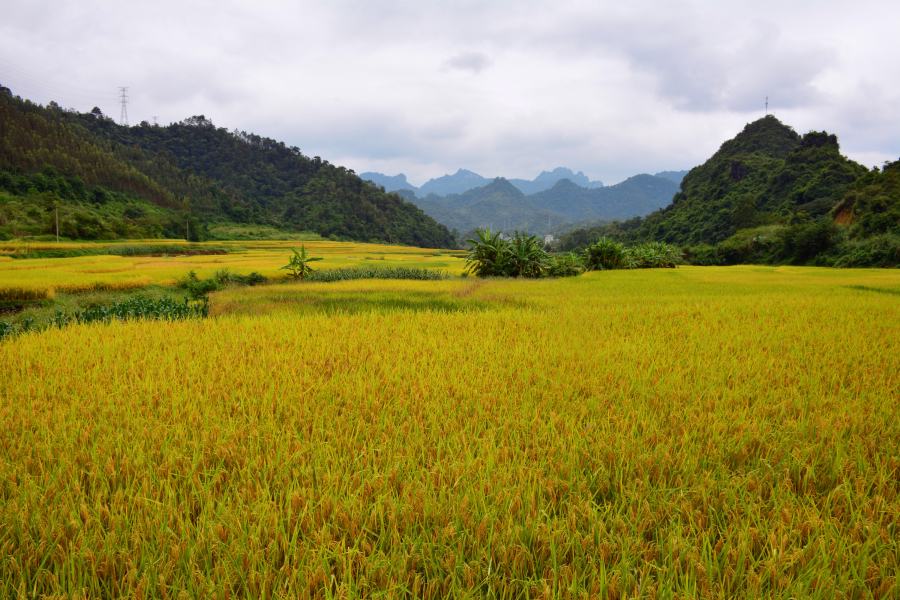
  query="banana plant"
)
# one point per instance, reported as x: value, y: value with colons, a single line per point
x: 527, y: 256
x: 606, y: 255
x: 299, y: 263
x: 489, y: 256
x: 493, y: 256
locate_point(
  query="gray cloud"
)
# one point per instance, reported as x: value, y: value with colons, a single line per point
x: 476, y: 62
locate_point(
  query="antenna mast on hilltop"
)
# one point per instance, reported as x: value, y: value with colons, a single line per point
x: 123, y: 119
x: 767, y: 106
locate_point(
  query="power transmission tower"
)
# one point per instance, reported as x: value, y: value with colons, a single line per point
x: 154, y: 120
x: 123, y: 119
x: 767, y: 106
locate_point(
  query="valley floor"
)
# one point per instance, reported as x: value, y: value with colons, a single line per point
x: 693, y: 432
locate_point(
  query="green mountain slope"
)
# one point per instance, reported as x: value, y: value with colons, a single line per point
x: 498, y: 205
x: 765, y: 174
x: 280, y: 184
x: 200, y: 172
x: 770, y: 195
x: 636, y: 196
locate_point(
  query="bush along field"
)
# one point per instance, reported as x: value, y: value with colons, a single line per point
x: 691, y: 432
x: 492, y: 255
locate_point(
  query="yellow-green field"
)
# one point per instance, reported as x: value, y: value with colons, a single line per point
x: 40, y: 278
x: 696, y: 432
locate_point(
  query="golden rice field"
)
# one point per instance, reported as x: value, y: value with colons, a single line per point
x: 687, y: 433
x: 29, y: 279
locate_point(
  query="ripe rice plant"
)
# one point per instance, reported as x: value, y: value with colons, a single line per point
x: 691, y: 433
x: 97, y: 272
x: 25, y: 292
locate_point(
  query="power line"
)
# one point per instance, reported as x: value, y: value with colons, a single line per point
x: 123, y: 119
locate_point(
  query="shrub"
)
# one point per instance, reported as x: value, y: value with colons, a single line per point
x: 607, y: 255
x: 655, y: 255
x: 879, y: 251
x: 162, y: 309
x: 198, y: 288
x: 568, y: 264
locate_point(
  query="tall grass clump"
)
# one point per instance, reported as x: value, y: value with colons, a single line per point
x: 198, y: 288
x: 161, y: 309
x: 351, y: 273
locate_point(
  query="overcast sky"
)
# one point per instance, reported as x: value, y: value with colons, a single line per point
x: 501, y: 88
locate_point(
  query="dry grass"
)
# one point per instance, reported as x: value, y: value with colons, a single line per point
x: 683, y: 433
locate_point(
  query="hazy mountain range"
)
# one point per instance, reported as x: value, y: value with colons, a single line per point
x: 500, y: 205
x: 466, y: 200
x: 464, y: 180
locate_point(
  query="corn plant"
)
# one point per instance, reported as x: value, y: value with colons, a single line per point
x: 299, y: 263
x: 351, y: 273
x: 162, y: 309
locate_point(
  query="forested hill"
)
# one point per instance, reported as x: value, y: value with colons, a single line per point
x: 209, y: 173
x: 772, y: 195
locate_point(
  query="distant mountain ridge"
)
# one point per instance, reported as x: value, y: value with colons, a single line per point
x: 675, y: 176
x: 502, y: 206
x: 464, y: 180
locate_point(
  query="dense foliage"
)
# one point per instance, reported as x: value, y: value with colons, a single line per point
x: 771, y: 195
x: 607, y: 255
x: 276, y: 184
x: 167, y: 181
